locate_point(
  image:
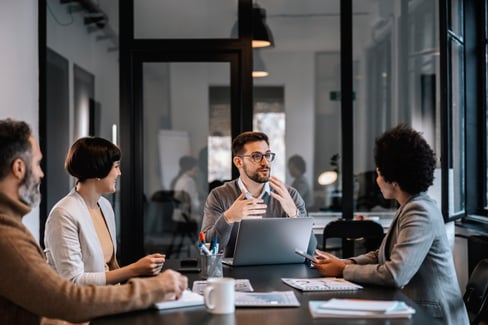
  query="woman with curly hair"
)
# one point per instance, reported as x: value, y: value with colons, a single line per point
x: 415, y: 254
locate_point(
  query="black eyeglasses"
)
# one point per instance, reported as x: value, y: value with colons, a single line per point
x: 257, y: 156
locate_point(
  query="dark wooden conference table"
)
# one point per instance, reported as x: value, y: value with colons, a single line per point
x: 267, y: 278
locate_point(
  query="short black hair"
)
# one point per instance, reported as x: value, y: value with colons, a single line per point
x: 402, y: 155
x: 91, y: 157
x: 187, y: 162
x: 14, y: 143
x: 299, y: 163
x: 246, y: 137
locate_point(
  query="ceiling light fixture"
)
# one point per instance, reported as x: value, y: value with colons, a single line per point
x: 258, y: 67
x: 261, y: 34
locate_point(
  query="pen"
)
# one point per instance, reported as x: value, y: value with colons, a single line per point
x: 204, y: 248
x: 215, y: 245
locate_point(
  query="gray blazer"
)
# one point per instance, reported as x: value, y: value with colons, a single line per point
x: 72, y: 245
x: 415, y: 256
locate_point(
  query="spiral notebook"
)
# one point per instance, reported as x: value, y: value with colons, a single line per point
x: 321, y: 284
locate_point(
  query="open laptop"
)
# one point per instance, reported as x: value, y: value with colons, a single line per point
x: 270, y: 241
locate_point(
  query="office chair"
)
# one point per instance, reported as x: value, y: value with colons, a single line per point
x: 181, y: 228
x: 477, y: 250
x: 476, y: 295
x: 350, y: 231
x: 165, y: 200
x: 186, y: 228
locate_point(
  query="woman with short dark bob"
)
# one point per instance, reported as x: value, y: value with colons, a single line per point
x: 415, y: 254
x: 80, y: 235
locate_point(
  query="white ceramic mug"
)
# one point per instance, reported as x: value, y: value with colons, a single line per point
x: 219, y: 295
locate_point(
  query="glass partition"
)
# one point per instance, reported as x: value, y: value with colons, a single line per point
x: 457, y: 108
x: 396, y: 78
x: 186, y: 132
x: 297, y: 104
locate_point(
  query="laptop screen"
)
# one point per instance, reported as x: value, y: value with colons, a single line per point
x: 271, y: 240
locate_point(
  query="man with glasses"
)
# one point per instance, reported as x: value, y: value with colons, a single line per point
x: 254, y: 194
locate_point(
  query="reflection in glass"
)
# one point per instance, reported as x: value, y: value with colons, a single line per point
x: 395, y: 81
x: 457, y: 17
x: 457, y: 119
x: 220, y: 158
x: 181, y: 111
x: 273, y: 124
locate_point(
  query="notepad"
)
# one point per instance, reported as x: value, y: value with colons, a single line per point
x: 188, y: 299
x: 321, y: 284
x: 266, y: 299
x: 360, y: 308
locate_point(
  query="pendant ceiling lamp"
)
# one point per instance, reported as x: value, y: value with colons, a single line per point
x: 261, y: 34
x: 258, y: 67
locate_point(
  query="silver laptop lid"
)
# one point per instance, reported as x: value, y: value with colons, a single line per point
x: 271, y: 240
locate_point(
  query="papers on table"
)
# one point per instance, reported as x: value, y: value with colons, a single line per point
x: 321, y: 284
x: 359, y: 308
x: 241, y: 285
x: 246, y: 297
x: 266, y: 299
x: 187, y: 299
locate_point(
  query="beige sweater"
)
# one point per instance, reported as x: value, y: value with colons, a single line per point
x: 30, y: 289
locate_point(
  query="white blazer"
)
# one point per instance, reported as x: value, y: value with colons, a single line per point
x: 73, y: 248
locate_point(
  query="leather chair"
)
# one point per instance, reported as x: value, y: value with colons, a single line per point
x: 476, y: 295
x: 350, y: 231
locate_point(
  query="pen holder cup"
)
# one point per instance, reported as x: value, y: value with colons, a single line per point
x: 211, y: 266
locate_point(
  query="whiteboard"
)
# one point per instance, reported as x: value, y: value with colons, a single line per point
x: 173, y: 144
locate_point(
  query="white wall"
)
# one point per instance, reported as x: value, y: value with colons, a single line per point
x: 19, y: 80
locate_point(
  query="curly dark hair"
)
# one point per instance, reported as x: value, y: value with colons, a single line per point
x: 403, y: 156
x: 246, y: 137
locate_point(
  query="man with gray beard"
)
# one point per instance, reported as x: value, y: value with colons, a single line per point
x: 255, y: 194
x: 30, y: 290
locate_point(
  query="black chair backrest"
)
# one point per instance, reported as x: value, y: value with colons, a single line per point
x: 351, y: 229
x: 477, y: 250
x: 167, y: 203
x: 476, y: 295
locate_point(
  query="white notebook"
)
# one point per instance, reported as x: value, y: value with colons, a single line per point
x: 360, y: 308
x: 188, y: 298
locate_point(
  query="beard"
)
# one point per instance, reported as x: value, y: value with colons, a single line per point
x: 256, y: 175
x: 29, y: 190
